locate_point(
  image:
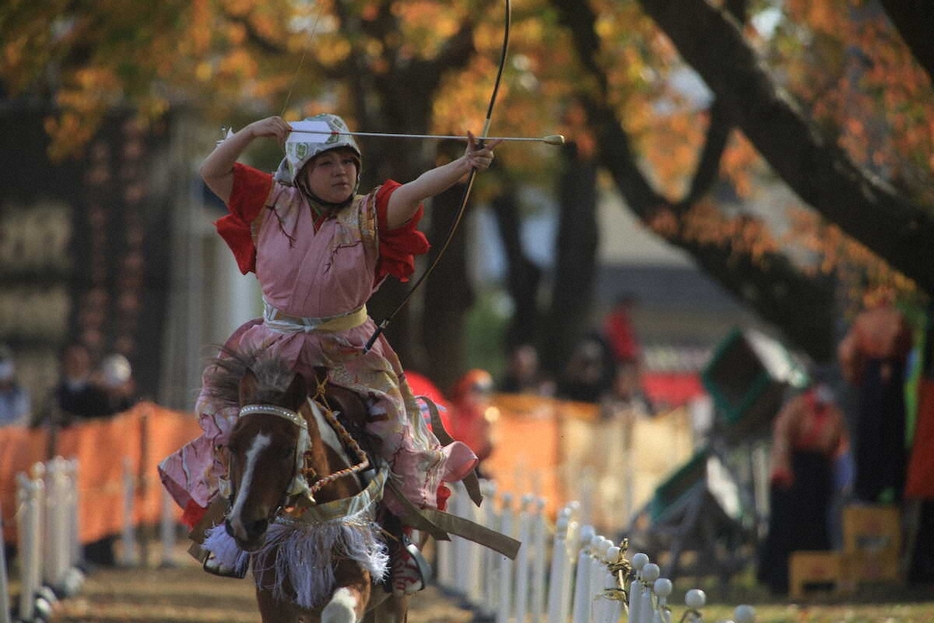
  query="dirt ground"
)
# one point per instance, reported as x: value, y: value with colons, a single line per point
x: 185, y: 593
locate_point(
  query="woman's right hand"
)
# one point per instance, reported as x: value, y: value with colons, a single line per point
x: 271, y: 126
x: 217, y: 168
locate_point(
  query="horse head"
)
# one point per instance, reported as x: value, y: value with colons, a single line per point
x: 265, y: 448
x: 297, y: 503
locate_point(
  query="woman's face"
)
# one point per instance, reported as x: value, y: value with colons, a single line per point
x: 332, y: 175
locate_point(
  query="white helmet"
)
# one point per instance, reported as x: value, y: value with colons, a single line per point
x: 310, y: 137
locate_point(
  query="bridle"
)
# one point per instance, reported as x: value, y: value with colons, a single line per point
x: 298, y: 488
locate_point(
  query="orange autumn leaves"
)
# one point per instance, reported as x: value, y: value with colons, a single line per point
x: 839, y: 58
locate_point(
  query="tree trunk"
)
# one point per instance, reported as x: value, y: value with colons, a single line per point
x: 448, y: 294
x: 523, y: 276
x: 575, y: 260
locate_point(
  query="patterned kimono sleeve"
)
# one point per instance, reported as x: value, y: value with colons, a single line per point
x: 251, y: 189
x: 399, y: 246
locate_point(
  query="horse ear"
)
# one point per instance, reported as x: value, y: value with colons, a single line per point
x: 248, y: 386
x: 298, y: 390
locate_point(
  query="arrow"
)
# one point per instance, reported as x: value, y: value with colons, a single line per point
x: 551, y: 139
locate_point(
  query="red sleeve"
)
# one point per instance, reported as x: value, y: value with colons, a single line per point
x: 397, y: 247
x: 247, y: 199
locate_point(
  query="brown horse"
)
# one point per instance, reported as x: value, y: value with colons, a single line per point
x: 299, y: 511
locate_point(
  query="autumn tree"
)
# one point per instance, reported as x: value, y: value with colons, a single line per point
x: 823, y: 94
x: 828, y: 100
x: 404, y: 67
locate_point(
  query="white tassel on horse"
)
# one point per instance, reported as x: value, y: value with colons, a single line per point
x: 306, y: 554
x: 225, y: 549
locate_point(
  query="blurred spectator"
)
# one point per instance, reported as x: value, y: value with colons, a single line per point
x: 872, y: 357
x: 809, y: 433
x: 421, y: 385
x: 78, y: 395
x: 620, y: 333
x: 473, y: 413
x: 588, y: 374
x: 116, y: 379
x: 523, y: 375
x: 84, y: 394
x: 15, y: 402
x: 626, y: 394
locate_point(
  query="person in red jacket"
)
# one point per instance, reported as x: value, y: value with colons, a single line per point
x: 808, y: 434
x: 472, y: 413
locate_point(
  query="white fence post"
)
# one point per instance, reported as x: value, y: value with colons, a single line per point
x: 474, y: 562
x: 167, y: 528
x: 444, y: 558
x: 76, y: 556
x: 598, y: 579
x: 504, y: 609
x: 744, y: 614
x: 538, y: 546
x: 29, y: 525
x: 580, y: 612
x: 57, y: 537
x: 562, y: 567
x: 4, y: 581
x: 464, y: 567
x: 523, y: 562
x: 639, y: 561
x: 650, y: 573
x: 611, y: 603
x: 694, y: 599
x: 70, y: 536
x: 492, y: 589
x: 663, y: 588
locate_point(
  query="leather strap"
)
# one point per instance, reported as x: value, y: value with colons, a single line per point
x: 212, y: 517
x: 441, y: 525
x: 471, y: 481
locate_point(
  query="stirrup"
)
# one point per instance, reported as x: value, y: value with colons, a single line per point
x: 410, y: 571
x: 421, y: 563
x: 212, y: 566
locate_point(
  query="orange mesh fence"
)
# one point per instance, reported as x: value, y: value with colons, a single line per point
x: 553, y: 448
x: 564, y: 451
x: 138, y: 438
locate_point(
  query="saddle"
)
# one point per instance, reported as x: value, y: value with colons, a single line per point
x: 439, y: 524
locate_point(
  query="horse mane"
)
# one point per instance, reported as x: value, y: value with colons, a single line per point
x: 227, y: 369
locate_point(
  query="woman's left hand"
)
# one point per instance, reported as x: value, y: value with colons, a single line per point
x: 479, y: 158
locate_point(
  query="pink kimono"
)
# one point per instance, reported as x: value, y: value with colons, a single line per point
x: 312, y: 270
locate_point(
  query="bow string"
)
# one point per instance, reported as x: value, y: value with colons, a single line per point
x: 467, y: 187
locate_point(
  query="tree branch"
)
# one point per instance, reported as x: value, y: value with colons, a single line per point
x: 769, y: 284
x: 914, y: 21
x: 820, y: 172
